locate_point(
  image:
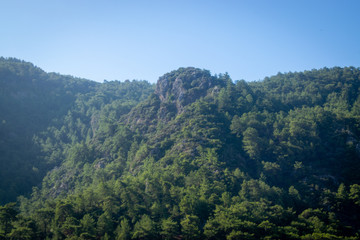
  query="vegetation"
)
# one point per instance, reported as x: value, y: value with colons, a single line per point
x: 197, y: 157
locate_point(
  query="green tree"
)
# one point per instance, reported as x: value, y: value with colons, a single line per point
x: 123, y: 231
x: 169, y: 228
x: 70, y: 227
x: 190, y: 227
x: 104, y: 224
x: 354, y: 194
x: 7, y: 216
x: 144, y: 228
x: 252, y: 143
x: 87, y: 226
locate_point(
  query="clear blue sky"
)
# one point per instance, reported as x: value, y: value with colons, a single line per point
x: 118, y: 40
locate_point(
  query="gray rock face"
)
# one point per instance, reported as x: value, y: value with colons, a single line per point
x: 184, y: 86
x: 174, y: 91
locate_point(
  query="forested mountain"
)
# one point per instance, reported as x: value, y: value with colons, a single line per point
x: 195, y: 157
x: 38, y: 107
x: 30, y: 100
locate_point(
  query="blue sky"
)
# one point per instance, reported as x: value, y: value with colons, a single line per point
x: 118, y: 40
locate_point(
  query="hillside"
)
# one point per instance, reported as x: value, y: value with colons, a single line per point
x: 30, y: 100
x: 35, y: 106
x: 199, y: 157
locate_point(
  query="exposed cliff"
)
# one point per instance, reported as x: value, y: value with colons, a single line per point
x: 174, y: 91
x: 184, y: 86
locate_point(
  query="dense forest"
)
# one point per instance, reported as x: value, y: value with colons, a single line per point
x: 194, y: 156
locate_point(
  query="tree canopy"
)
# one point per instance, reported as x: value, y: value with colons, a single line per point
x: 194, y: 157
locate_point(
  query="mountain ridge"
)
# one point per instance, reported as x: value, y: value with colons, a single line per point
x: 200, y: 157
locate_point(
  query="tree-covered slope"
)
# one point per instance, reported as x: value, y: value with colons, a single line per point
x: 201, y: 157
x: 42, y: 112
x: 30, y: 100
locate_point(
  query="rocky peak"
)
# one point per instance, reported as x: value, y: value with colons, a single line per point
x: 183, y: 86
x: 174, y: 91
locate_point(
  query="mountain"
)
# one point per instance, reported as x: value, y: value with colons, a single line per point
x: 35, y: 106
x: 195, y: 157
x: 30, y: 100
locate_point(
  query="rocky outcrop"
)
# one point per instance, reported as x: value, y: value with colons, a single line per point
x: 183, y: 86
x: 174, y: 91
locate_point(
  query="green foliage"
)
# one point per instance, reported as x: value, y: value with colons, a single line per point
x: 169, y: 229
x: 7, y: 217
x: 190, y: 227
x: 199, y: 158
x: 144, y: 228
x: 123, y: 230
